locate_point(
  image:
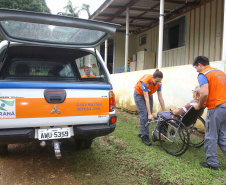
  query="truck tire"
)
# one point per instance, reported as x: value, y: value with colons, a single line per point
x: 3, y: 149
x: 83, y: 143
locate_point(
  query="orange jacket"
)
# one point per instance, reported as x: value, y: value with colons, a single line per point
x: 148, y: 80
x: 217, y: 87
x: 85, y: 76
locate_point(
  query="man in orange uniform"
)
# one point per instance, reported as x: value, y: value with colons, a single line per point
x: 143, y: 92
x: 87, y: 73
x: 213, y: 94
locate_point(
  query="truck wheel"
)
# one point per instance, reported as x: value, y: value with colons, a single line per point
x: 3, y: 149
x: 83, y: 143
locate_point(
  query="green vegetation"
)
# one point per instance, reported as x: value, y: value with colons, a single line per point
x: 123, y: 159
x: 29, y: 5
x: 70, y: 10
x: 179, y: 170
x: 74, y: 11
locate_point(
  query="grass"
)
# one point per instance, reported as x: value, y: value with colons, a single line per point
x: 177, y: 170
x: 102, y: 164
x: 121, y: 158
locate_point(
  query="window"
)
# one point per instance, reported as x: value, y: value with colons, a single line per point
x: 51, y: 33
x: 142, y: 40
x: 23, y: 68
x: 79, y: 66
x: 174, y: 34
x: 89, y: 68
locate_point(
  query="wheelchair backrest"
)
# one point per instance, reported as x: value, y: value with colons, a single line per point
x: 191, y: 116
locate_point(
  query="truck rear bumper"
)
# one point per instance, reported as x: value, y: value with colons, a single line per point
x: 92, y: 131
x: 12, y: 136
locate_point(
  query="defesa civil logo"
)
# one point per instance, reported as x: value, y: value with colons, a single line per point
x: 7, y: 108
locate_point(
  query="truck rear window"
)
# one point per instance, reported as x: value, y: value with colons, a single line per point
x: 54, y: 64
x: 24, y: 68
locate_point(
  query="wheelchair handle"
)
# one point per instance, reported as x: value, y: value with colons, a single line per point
x: 149, y: 122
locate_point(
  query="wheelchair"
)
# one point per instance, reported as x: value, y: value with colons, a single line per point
x: 176, y: 135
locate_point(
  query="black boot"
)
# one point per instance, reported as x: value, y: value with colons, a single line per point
x: 146, y: 140
x: 206, y: 165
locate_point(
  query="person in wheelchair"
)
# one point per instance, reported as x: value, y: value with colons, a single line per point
x: 175, y: 113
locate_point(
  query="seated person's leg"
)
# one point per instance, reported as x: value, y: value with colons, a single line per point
x: 162, y: 115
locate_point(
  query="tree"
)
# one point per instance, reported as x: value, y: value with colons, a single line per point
x: 69, y: 10
x: 29, y: 5
x: 85, y: 7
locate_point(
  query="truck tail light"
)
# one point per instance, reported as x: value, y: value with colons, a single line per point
x: 113, y: 120
x: 112, y: 101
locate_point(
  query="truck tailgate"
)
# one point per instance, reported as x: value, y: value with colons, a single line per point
x: 27, y: 107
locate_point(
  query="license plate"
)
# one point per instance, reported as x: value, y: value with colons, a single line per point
x: 54, y: 133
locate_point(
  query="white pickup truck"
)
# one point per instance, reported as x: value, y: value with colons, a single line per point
x: 54, y: 84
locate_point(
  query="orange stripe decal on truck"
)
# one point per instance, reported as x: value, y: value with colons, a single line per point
x: 27, y: 107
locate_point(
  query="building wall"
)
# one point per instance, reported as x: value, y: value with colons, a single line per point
x: 204, y: 31
x: 133, y: 42
x: 119, y: 59
x: 203, y: 35
x: 119, y: 48
x: 204, y: 25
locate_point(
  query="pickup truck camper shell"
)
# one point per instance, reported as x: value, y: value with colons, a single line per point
x: 54, y: 84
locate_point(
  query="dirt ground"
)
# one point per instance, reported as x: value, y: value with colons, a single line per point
x: 32, y: 164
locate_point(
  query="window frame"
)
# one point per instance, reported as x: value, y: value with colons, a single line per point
x: 141, y: 41
x: 182, y: 32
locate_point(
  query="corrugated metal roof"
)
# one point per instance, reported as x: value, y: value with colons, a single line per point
x: 143, y: 13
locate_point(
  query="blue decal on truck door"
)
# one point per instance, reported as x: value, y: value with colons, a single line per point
x: 43, y: 85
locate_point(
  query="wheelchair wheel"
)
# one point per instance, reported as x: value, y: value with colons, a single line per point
x: 174, y: 137
x: 196, y: 138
